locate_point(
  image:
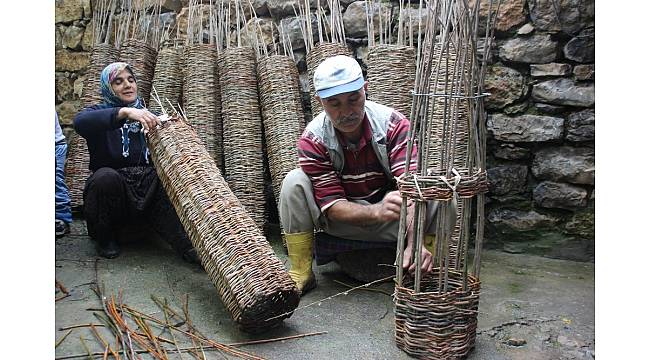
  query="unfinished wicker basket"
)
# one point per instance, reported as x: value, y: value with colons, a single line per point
x: 251, y: 280
x: 202, y: 97
x: 167, y: 78
x: 76, y: 166
x: 391, y: 76
x: 142, y: 58
x: 316, y: 55
x: 242, y: 130
x: 434, y: 324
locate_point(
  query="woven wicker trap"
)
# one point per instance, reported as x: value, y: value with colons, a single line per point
x: 282, y: 115
x: 251, y: 280
x: 391, y: 76
x: 320, y: 52
x: 202, y: 97
x: 167, y: 77
x: 434, y: 324
x: 242, y: 130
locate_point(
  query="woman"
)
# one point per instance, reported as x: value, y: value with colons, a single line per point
x: 124, y: 189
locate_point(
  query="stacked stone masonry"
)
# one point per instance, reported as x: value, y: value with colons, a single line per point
x: 541, y: 122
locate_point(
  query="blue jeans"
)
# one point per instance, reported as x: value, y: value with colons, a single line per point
x: 62, y: 208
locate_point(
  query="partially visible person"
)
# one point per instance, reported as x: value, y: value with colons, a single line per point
x: 124, y: 189
x: 62, y: 209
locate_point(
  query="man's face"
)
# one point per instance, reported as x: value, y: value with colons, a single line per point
x: 347, y: 111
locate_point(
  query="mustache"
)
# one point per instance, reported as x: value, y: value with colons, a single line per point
x: 348, y: 118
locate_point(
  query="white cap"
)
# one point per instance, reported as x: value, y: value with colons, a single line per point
x: 336, y: 75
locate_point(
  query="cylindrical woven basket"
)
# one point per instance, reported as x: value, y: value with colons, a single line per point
x: 242, y: 130
x: 76, y: 166
x: 316, y: 55
x: 202, y: 97
x: 437, y: 325
x: 282, y: 115
x: 391, y: 76
x: 251, y: 280
x: 167, y: 78
x: 142, y: 58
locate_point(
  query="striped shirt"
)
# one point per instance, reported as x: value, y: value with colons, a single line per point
x: 362, y: 177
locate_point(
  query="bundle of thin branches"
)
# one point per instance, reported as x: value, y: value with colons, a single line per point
x: 167, y: 77
x: 251, y: 280
x: 437, y: 323
x: 242, y: 130
x: 134, y: 331
x: 282, y: 114
x: 391, y: 75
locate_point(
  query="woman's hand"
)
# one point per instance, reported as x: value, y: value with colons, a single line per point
x: 143, y: 116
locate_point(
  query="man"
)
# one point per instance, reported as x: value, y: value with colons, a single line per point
x: 62, y: 210
x: 349, y: 156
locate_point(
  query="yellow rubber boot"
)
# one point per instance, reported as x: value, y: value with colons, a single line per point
x: 299, y: 248
x: 430, y: 244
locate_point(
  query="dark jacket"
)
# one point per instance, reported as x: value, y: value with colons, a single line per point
x: 103, y: 133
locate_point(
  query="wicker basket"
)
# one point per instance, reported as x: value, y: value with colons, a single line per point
x: 251, y: 280
x: 242, y: 130
x: 142, y: 58
x: 391, y: 76
x: 437, y: 325
x: 167, y: 78
x: 282, y: 115
x: 202, y: 97
x: 101, y: 56
x: 320, y: 52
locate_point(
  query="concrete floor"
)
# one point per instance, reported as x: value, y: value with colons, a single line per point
x: 545, y: 305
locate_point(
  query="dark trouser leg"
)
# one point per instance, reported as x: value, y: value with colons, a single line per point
x: 105, y: 209
x: 164, y: 220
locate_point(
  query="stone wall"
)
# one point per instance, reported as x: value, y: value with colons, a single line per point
x: 541, y: 119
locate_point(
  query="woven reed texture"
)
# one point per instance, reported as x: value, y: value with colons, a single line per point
x: 167, y: 78
x: 282, y: 115
x: 320, y: 52
x: 242, y: 130
x: 76, y: 166
x: 202, y: 96
x: 250, y: 279
x: 391, y: 76
x: 76, y: 169
x: 101, y: 56
x: 142, y: 58
x: 432, y: 187
x: 437, y: 325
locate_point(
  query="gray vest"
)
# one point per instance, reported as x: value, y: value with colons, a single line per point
x: 379, y: 119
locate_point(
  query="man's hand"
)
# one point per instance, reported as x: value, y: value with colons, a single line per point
x: 426, y: 263
x: 143, y: 116
x: 389, y: 208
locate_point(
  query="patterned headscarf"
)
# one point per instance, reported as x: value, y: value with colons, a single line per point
x: 109, y: 74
